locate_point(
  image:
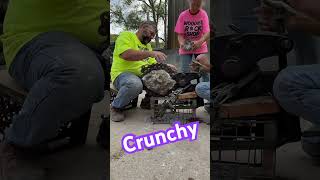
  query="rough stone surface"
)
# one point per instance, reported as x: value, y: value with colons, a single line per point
x: 188, y: 45
x: 159, y: 81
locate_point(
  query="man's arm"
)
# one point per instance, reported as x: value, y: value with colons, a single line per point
x: 124, y: 49
x: 202, y: 62
x: 136, y: 55
x: 309, y: 7
x: 305, y: 24
x: 299, y: 21
x: 309, y: 19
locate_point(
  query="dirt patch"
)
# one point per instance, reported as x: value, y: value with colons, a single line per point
x: 117, y: 155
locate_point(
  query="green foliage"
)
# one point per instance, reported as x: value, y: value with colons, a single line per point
x: 130, y: 20
x: 113, y: 38
x: 161, y: 45
x: 130, y: 13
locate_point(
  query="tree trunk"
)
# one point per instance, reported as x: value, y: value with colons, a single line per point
x: 165, y: 22
x: 155, y: 19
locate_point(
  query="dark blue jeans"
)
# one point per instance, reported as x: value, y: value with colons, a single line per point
x: 129, y: 87
x: 63, y: 77
x: 297, y: 88
x: 203, y: 90
x: 186, y: 60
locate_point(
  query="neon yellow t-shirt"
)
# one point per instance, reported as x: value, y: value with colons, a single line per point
x: 26, y: 19
x: 125, y: 41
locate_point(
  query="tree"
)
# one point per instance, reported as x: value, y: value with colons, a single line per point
x: 130, y: 18
x: 165, y: 20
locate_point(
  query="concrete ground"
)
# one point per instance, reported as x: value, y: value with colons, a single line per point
x: 88, y: 162
x: 179, y: 161
x: 183, y: 160
x: 294, y: 164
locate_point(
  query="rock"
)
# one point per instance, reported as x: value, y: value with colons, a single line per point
x: 188, y: 45
x: 158, y: 81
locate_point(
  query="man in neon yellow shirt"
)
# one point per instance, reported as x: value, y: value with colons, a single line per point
x: 50, y: 50
x: 132, y: 51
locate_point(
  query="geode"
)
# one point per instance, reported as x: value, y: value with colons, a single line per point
x: 158, y: 81
x: 188, y: 45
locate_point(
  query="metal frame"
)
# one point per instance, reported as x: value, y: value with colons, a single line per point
x: 254, y: 138
x: 182, y: 111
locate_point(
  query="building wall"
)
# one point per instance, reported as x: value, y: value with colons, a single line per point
x: 239, y: 13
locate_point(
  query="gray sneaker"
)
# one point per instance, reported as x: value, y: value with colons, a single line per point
x: 116, y: 115
x: 14, y: 167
